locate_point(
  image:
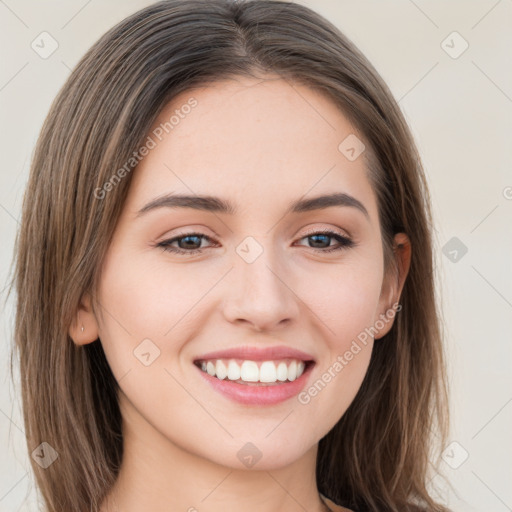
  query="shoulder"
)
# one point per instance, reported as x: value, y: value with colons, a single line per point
x: 332, y: 506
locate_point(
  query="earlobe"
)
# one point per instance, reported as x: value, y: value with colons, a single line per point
x: 392, y: 291
x: 84, y: 328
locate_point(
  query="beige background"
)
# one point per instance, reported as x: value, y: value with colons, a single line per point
x: 459, y: 110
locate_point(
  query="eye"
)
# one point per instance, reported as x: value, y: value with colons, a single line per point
x: 188, y: 246
x: 190, y: 243
x: 320, y: 237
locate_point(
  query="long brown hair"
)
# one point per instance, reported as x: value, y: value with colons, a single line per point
x: 377, y: 456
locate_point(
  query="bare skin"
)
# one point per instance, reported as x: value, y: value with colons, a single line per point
x: 259, y: 144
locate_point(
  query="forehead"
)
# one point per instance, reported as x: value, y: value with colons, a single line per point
x: 250, y: 140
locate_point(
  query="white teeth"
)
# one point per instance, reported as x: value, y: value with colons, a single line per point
x: 210, y: 368
x: 282, y: 372
x: 234, y: 371
x: 220, y: 370
x: 249, y: 371
x: 292, y: 371
x: 268, y: 372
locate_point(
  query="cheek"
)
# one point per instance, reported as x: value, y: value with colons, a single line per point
x: 346, y: 303
x: 142, y: 300
x: 148, y: 314
x: 346, y: 299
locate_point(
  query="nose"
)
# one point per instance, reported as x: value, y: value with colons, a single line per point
x: 260, y: 294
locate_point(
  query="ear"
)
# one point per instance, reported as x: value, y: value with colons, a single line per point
x: 393, y: 285
x: 84, y: 328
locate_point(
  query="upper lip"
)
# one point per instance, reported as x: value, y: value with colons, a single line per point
x: 258, y: 354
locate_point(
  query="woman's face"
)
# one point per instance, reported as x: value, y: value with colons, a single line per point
x: 264, y: 276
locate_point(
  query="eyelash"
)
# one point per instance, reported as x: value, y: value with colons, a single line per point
x: 344, y: 242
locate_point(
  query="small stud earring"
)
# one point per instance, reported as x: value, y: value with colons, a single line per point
x: 83, y: 328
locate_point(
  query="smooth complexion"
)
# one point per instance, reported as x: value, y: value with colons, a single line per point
x: 260, y: 145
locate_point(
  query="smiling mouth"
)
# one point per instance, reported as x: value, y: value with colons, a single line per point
x: 255, y: 373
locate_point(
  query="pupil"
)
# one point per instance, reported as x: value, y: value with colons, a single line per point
x: 188, y: 238
x: 315, y: 237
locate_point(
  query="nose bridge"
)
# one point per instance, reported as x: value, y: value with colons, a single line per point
x: 258, y: 291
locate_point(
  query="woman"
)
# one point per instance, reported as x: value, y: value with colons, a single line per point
x: 224, y: 274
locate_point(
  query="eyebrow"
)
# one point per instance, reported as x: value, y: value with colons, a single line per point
x: 219, y: 205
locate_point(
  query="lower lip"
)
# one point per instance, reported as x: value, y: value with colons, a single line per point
x: 258, y: 394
